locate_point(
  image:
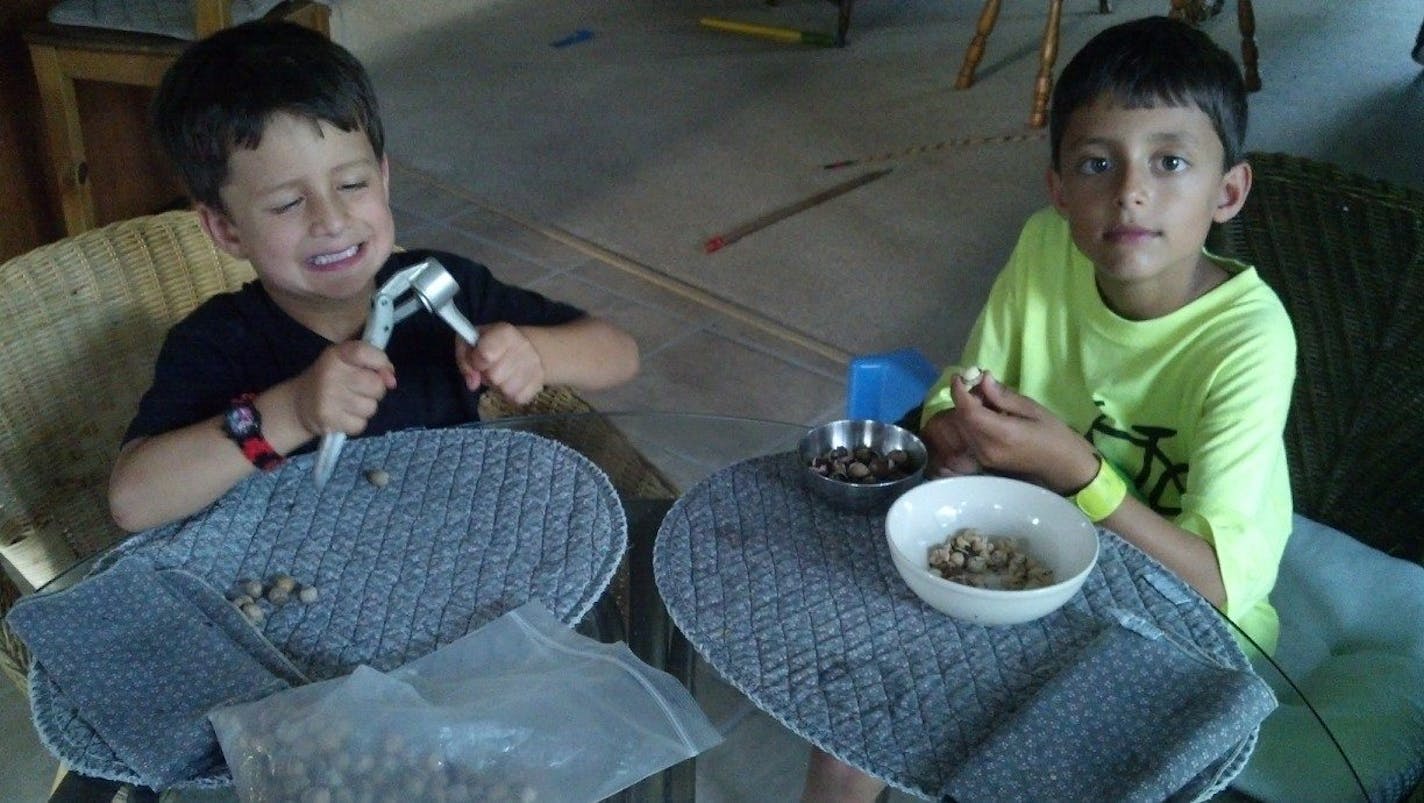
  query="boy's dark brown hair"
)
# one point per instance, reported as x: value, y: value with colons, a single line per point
x: 1149, y: 62
x: 220, y: 93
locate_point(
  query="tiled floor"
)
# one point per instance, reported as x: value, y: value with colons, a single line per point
x: 699, y: 354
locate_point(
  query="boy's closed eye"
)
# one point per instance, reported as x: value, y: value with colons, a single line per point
x: 347, y: 186
x: 284, y: 206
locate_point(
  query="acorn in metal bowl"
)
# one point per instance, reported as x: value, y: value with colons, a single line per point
x: 861, y: 465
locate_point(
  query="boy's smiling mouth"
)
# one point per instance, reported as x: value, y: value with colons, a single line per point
x: 335, y: 260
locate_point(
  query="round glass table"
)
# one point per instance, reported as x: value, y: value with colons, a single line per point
x: 652, y: 460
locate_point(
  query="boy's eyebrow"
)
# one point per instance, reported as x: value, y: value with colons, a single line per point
x: 1161, y: 137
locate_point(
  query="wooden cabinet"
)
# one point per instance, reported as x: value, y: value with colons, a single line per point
x: 126, y: 171
x: 95, y: 86
x: 27, y: 215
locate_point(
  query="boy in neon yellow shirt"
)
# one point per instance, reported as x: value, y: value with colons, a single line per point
x: 1123, y: 365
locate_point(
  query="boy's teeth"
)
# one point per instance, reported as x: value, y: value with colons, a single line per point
x: 327, y: 259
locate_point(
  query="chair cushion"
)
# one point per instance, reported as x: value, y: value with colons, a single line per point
x: 1352, y: 638
x: 164, y: 17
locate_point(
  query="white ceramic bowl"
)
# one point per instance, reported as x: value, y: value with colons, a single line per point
x: 1048, y: 527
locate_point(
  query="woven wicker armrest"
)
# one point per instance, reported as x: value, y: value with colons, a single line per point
x: 591, y: 434
x: 1345, y: 253
x: 81, y: 321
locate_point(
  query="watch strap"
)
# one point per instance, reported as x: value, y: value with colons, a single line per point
x: 1103, y: 495
x: 243, y: 426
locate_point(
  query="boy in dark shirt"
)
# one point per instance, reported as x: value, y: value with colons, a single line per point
x: 276, y: 133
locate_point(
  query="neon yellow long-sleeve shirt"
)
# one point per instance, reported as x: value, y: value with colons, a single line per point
x: 1190, y: 407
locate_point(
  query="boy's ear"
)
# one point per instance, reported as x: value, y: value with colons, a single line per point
x: 1235, y: 186
x: 1055, y: 189
x: 220, y: 229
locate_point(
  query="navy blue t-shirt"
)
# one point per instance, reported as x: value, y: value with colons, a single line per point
x: 242, y: 342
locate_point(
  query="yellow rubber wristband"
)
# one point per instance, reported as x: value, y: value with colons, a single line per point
x: 1102, y: 496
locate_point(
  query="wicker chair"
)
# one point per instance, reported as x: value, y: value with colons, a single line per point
x: 81, y: 321
x: 1346, y: 256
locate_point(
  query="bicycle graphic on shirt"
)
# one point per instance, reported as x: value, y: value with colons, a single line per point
x: 1148, y: 439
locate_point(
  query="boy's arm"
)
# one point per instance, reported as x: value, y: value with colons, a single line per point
x: 174, y: 474
x: 1012, y: 434
x: 1185, y: 553
x: 164, y: 477
x: 587, y: 353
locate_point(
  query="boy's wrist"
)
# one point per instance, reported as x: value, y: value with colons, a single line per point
x: 242, y: 424
x: 1103, y: 494
x: 282, y: 421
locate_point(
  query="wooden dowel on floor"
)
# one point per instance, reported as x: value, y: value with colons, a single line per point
x: 774, y: 33
x: 757, y: 224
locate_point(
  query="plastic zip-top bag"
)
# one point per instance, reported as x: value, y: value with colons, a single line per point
x: 522, y: 709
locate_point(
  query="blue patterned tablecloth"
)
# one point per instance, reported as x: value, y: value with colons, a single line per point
x: 472, y: 523
x: 799, y: 606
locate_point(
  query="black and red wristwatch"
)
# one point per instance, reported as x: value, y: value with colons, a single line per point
x: 243, y: 425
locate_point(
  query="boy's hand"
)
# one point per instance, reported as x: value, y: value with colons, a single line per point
x: 340, y: 391
x: 1010, y: 433
x: 947, y: 443
x: 504, y: 359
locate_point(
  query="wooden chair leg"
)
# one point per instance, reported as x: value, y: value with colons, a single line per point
x: 1193, y: 11
x: 1246, y: 19
x: 1043, y: 85
x: 987, y: 17
x: 843, y: 21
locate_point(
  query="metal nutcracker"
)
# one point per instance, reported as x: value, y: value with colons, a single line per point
x: 434, y: 289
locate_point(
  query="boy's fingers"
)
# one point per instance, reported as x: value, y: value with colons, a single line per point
x: 364, y: 355
x: 360, y: 354
x: 1006, y: 400
x: 474, y: 380
x: 955, y: 466
x: 963, y: 397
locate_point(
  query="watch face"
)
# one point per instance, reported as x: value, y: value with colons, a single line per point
x: 242, y: 420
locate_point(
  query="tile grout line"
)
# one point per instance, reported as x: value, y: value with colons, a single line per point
x: 648, y: 274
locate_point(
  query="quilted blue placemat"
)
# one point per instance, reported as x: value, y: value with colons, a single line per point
x: 135, y: 617
x: 471, y: 524
x: 799, y: 606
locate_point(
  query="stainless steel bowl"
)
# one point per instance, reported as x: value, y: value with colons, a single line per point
x: 883, y: 438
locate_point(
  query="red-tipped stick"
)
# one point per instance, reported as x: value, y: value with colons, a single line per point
x: 727, y: 238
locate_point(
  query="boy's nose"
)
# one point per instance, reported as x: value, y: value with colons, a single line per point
x: 327, y: 216
x: 1132, y: 189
